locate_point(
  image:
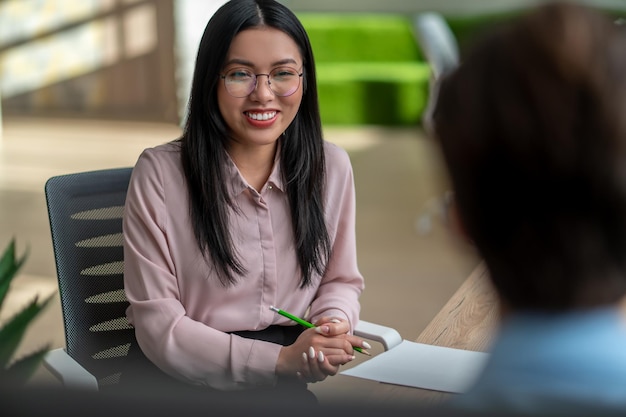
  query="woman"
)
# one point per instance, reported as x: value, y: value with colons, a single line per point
x: 250, y: 208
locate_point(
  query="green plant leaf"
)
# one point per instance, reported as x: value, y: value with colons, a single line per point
x: 13, y: 330
x: 20, y: 371
x: 9, y: 266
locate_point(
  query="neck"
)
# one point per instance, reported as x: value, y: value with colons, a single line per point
x: 254, y: 163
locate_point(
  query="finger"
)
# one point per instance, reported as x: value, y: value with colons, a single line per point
x: 358, y: 342
x: 325, y: 366
x: 345, y: 344
x: 343, y: 352
x: 323, y: 329
x: 316, y: 361
x: 326, y: 319
x: 340, y: 359
x: 335, y: 345
x: 305, y: 372
x: 328, y: 326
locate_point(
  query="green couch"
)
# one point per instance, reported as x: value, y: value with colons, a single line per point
x: 369, y: 69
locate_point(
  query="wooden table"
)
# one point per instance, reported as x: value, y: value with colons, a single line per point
x: 467, y: 321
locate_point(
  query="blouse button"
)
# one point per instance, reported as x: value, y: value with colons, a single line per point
x: 269, y: 187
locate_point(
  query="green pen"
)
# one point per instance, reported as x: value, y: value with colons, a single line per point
x: 309, y: 325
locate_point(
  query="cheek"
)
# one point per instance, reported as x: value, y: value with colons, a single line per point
x: 295, y: 100
x: 225, y: 103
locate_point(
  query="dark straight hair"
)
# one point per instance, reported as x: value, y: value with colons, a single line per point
x: 206, y: 135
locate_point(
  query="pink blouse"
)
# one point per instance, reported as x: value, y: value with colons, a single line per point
x: 180, y: 310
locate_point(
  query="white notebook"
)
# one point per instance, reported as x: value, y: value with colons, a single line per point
x: 423, y: 366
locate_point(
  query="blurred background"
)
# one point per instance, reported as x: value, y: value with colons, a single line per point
x: 88, y: 84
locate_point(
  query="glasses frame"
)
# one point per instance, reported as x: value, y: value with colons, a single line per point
x: 299, y: 72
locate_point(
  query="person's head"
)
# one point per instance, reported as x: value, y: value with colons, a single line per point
x: 252, y: 37
x: 532, y: 127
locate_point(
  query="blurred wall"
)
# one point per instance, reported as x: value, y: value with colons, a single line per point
x: 88, y: 58
x: 191, y: 17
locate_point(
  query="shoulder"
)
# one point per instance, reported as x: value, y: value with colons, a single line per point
x: 339, y: 175
x: 158, y: 166
x: 165, y: 152
x: 337, y: 158
x: 165, y: 157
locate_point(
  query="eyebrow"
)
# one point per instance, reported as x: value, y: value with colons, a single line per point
x: 251, y: 64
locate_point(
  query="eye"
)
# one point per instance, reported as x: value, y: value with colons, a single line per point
x: 239, y: 74
x: 281, y: 74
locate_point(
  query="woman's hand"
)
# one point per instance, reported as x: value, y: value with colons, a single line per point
x: 319, y: 351
x: 334, y: 327
x: 314, y: 356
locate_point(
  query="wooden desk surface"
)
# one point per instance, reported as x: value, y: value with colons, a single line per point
x: 467, y: 321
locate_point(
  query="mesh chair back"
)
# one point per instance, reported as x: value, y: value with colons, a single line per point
x: 85, y: 211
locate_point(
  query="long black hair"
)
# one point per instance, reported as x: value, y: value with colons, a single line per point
x: 206, y: 135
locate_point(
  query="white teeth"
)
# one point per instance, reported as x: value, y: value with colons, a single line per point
x: 261, y: 116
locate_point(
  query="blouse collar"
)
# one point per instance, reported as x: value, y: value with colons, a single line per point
x: 237, y: 183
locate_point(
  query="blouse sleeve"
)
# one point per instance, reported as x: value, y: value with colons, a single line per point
x: 342, y: 284
x: 186, y: 349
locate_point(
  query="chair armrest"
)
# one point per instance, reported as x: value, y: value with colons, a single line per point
x: 387, y: 336
x: 70, y: 372
x: 441, y: 50
x: 437, y: 42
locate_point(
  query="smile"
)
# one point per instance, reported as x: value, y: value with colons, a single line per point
x: 261, y: 116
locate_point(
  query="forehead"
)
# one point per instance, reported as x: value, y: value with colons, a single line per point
x: 264, y: 46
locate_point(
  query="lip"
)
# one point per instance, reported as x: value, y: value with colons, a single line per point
x: 271, y: 114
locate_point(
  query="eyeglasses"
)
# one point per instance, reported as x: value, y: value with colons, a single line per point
x: 240, y: 82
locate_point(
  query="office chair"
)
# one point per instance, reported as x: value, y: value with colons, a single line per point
x: 440, y: 48
x: 85, y: 212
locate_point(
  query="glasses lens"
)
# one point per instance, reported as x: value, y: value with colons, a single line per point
x: 284, y: 81
x: 239, y: 82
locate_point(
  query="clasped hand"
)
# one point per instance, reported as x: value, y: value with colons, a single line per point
x: 320, y: 351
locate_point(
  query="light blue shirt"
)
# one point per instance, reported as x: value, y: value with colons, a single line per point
x: 543, y: 361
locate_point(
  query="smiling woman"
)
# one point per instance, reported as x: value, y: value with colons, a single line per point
x: 249, y: 208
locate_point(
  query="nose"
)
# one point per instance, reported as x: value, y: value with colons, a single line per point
x: 262, y: 90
